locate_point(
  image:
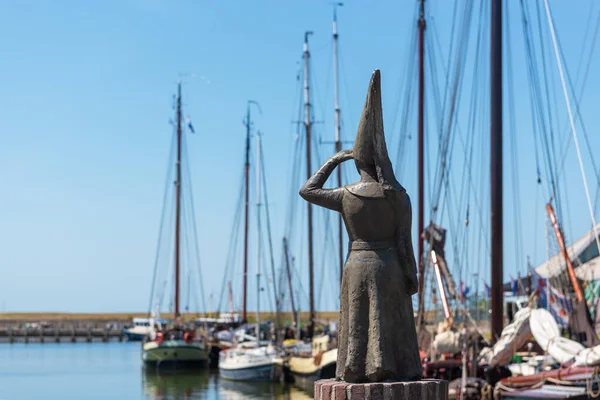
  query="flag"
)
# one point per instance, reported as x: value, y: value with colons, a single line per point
x: 487, y: 289
x: 189, y: 124
x: 539, y: 285
x: 464, y: 291
x: 514, y: 285
x: 558, y: 305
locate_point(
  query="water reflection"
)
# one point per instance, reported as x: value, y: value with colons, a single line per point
x: 175, y: 384
x: 204, y: 384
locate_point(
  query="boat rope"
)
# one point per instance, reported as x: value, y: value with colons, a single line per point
x: 589, y: 385
x: 194, y: 232
x: 269, y: 236
x: 233, y: 242
x: 572, y: 121
x: 168, y: 182
x: 520, y: 262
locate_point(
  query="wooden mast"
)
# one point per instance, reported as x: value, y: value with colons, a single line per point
x: 496, y: 166
x: 246, y: 214
x: 338, y: 134
x: 308, y: 128
x: 580, y: 321
x: 178, y: 202
x: 563, y: 249
x: 289, y: 279
x: 421, y: 162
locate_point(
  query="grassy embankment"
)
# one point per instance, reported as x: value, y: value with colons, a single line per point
x: 37, y: 317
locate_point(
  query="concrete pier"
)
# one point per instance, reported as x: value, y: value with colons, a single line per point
x: 428, y: 389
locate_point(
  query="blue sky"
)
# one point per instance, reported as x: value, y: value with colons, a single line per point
x: 85, y: 100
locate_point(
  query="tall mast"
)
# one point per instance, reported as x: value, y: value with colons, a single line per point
x: 308, y: 127
x: 246, y: 213
x: 178, y: 201
x: 496, y: 165
x: 258, y: 241
x: 338, y: 133
x: 421, y: 161
x: 289, y: 278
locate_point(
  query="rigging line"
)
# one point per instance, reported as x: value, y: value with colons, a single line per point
x: 233, y: 243
x: 405, y: 104
x: 536, y: 101
x: 268, y: 220
x: 194, y: 228
x: 445, y: 144
x: 585, y: 41
x: 406, y: 77
x: 438, y: 116
x: 468, y: 146
x: 162, y: 218
x: 529, y: 57
x: 578, y: 115
x: 447, y: 88
x: 566, y: 94
x: 551, y: 144
x: 518, y: 237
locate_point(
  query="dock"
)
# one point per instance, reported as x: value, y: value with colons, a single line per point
x: 61, y: 332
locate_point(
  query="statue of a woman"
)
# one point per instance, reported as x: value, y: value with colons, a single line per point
x: 377, y: 336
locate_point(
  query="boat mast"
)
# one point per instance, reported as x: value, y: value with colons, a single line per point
x: 563, y: 249
x: 246, y: 213
x: 258, y: 241
x: 289, y: 279
x: 178, y: 201
x: 308, y: 127
x: 230, y: 300
x: 338, y: 133
x: 421, y: 179
x: 496, y: 165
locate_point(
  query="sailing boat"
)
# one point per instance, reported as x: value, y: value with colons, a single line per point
x: 321, y: 362
x: 177, y: 346
x: 258, y: 363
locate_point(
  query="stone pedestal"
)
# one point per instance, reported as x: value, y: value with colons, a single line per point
x: 427, y: 389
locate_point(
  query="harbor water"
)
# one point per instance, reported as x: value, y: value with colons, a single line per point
x: 113, y: 371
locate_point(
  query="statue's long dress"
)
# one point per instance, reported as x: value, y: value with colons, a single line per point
x: 377, y: 336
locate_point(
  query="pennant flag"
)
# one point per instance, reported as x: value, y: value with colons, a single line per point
x: 189, y: 124
x: 514, y: 285
x: 464, y: 291
x: 487, y: 289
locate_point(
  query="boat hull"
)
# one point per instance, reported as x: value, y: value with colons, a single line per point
x: 304, y: 371
x: 134, y: 337
x: 174, y: 353
x: 264, y: 373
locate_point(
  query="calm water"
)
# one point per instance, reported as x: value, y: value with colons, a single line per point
x: 112, y: 371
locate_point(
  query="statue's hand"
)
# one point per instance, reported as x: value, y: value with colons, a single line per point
x: 342, y: 156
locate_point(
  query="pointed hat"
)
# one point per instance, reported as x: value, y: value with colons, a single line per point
x: 369, y: 146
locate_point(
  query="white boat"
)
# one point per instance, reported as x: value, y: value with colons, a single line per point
x: 176, y: 347
x: 141, y: 327
x: 243, y: 364
x: 252, y: 359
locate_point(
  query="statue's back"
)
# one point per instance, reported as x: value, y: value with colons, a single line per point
x: 369, y: 213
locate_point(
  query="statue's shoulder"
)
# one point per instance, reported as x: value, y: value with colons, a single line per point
x: 366, y: 189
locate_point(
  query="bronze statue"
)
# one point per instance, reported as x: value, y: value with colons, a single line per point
x: 377, y: 336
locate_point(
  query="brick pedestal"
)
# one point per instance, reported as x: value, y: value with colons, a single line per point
x: 429, y: 389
